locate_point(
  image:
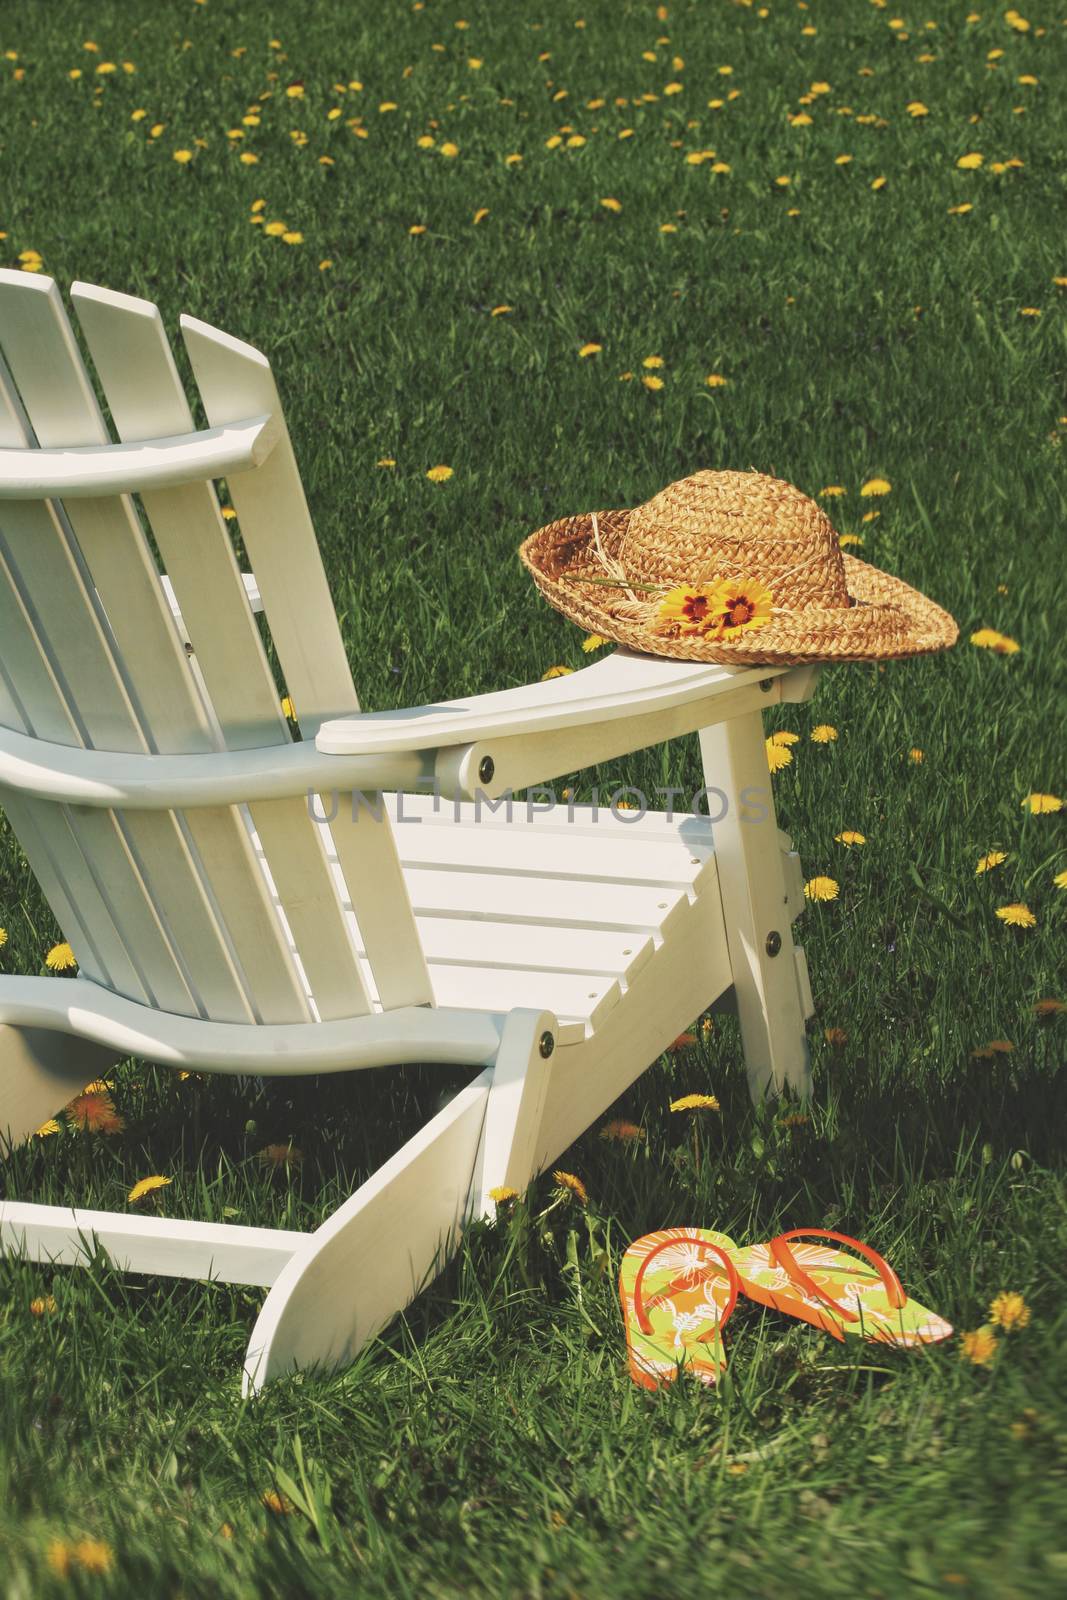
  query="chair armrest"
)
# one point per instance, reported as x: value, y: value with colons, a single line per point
x: 517, y: 737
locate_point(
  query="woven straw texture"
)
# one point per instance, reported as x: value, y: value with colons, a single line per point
x: 826, y: 606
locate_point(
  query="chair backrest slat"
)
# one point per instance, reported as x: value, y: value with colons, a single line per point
x: 144, y: 392
x: 84, y: 600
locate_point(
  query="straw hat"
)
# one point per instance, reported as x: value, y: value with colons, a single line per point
x: 734, y: 567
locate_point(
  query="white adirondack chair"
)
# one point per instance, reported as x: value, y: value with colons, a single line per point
x: 219, y: 926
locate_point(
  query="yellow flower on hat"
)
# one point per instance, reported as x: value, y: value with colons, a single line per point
x: 691, y: 605
x: 742, y: 603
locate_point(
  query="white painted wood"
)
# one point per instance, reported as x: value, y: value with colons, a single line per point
x: 556, y: 902
x: 280, y: 540
x: 755, y: 905
x: 41, y: 1071
x: 369, y: 1260
x: 89, y: 1011
x: 511, y: 1153
x: 255, y: 601
x: 85, y: 471
x: 620, y: 686
x: 687, y: 973
x: 175, y: 1248
x: 44, y: 770
x: 137, y: 370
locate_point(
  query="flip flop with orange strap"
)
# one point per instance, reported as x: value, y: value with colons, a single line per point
x: 678, y: 1287
x: 848, y: 1299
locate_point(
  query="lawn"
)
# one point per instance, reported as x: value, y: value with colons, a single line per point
x: 575, y: 252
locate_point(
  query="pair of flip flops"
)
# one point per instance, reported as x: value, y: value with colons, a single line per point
x: 679, y: 1286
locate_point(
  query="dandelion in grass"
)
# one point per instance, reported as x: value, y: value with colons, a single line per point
x: 96, y: 1113
x: 915, y: 108
x: 278, y: 1157
x: 1060, y: 880
x: 1017, y: 916
x: 288, y: 709
x: 146, y: 1186
x: 60, y: 958
x: 916, y: 756
x: 502, y: 1195
x: 279, y: 1505
x: 590, y: 349
x: 971, y: 161
x: 992, y: 858
x: 785, y: 736
x: 823, y: 734
x: 696, y: 1102
x: 715, y: 380
x: 46, y: 1129
x: 1042, y: 804
x: 1009, y: 1311
x: 555, y: 672
x: 979, y: 1347
x: 995, y: 1047
x: 439, y: 474
x: 611, y: 204
x: 43, y: 1305
x: 832, y: 491
x: 875, y: 486
x: 183, y: 157
x: 572, y: 1187
x: 3, y: 937
x: 1049, y: 1007
x: 778, y: 755
x: 821, y: 889
x: 992, y: 639
x: 848, y: 539
x: 622, y: 1132
x: 276, y: 229
x: 593, y: 641
x: 501, y: 311
x: 836, y: 1037
x: 850, y: 837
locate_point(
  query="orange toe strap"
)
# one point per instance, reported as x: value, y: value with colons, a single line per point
x: 781, y: 1252
x: 643, y: 1320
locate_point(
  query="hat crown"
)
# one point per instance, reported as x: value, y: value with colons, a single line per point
x: 737, y: 525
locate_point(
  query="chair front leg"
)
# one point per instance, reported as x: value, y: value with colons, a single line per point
x: 756, y: 906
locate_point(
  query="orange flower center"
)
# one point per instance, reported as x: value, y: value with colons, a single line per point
x: 739, y: 611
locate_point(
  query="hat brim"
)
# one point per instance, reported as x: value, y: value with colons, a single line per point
x: 888, y: 620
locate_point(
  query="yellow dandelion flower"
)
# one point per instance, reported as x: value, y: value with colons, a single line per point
x: 652, y: 361
x: 778, y: 755
x: 555, y: 672
x: 1060, y: 880
x: 43, y: 1305
x: 590, y: 350
x: 249, y: 158
x: 971, y: 161
x: 715, y: 380
x: 279, y: 1505
x: 572, y: 1185
x: 960, y: 211
x: 875, y: 486
x: 850, y: 837
x: 992, y: 859
x: 276, y: 229
x: 481, y: 213
x: 916, y: 756
x: 783, y: 182
x: 593, y: 641
x: 979, y: 1347
x: 47, y: 1128
x: 295, y: 91
x: 832, y: 491
x: 60, y: 958
x: 820, y: 889
x: 93, y: 1555
x: 386, y: 461
x: 915, y: 108
x: 1029, y: 311
x: 842, y: 161
x: 696, y: 1102
x: 623, y: 1132
x: 720, y: 166
x: 145, y: 1186
x: 75, y: 73
x: 449, y: 150
x: 3, y: 937
x: 611, y: 204
x: 823, y: 734
x: 1017, y: 916
x: 418, y: 227
x: 879, y: 182
x: 325, y: 264
x: 439, y: 474
x: 278, y: 1156
x: 183, y: 156
x: 501, y: 1195
x: 96, y: 1113
x: 652, y: 382
x: 800, y: 120
x: 1041, y: 804
x: 292, y: 237
x: 501, y: 311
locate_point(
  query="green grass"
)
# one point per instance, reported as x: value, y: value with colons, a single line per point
x: 492, y: 1443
